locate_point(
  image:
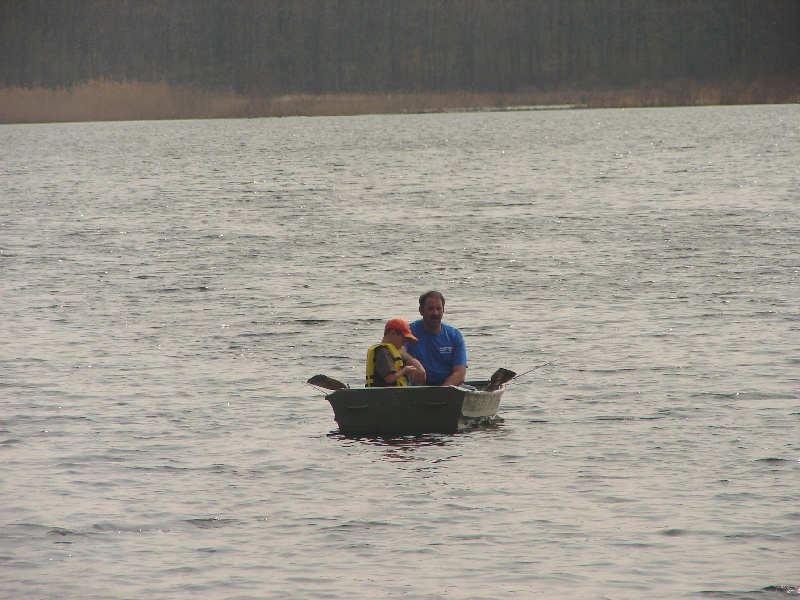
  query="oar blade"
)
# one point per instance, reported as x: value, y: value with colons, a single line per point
x: 500, y: 377
x: 328, y: 383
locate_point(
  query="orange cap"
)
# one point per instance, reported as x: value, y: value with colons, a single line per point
x: 403, y: 328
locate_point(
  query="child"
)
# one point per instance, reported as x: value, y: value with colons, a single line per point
x: 385, y: 366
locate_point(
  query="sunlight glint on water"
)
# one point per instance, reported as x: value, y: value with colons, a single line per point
x: 167, y: 287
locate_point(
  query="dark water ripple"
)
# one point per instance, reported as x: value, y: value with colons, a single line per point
x: 168, y: 287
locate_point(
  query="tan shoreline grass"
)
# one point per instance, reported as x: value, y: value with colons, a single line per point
x: 101, y: 100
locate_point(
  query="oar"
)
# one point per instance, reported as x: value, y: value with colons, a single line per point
x: 328, y: 383
x: 500, y: 377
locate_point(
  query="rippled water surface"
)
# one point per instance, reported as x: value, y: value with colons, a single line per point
x: 166, y: 288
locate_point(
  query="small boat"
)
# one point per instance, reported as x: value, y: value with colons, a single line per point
x: 415, y: 409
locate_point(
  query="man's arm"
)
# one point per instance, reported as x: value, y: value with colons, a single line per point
x: 418, y: 375
x: 458, y: 372
x: 458, y: 375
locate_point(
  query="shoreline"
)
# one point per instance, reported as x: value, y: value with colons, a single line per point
x: 100, y: 100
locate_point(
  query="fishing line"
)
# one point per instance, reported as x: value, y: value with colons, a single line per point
x: 533, y: 369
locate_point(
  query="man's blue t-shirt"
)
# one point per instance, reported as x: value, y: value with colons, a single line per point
x: 438, y: 353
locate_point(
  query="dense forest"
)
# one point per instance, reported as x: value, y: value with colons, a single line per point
x: 274, y: 47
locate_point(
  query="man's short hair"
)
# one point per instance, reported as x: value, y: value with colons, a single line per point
x: 430, y: 294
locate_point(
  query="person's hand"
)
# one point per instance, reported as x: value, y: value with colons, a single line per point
x: 418, y: 375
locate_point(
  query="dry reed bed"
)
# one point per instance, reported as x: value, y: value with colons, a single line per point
x: 127, y: 101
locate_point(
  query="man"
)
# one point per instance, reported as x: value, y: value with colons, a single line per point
x: 441, y: 348
x: 385, y: 366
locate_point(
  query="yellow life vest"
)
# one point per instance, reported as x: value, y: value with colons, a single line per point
x: 373, y: 378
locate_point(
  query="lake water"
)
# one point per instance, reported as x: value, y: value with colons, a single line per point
x: 166, y: 289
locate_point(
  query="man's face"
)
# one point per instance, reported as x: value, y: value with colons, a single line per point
x: 432, y: 313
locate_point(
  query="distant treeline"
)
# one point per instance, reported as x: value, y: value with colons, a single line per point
x: 278, y: 47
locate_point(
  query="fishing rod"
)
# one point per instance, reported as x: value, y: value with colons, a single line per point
x: 533, y: 369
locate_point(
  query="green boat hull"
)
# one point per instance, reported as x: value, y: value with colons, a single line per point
x: 413, y: 409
